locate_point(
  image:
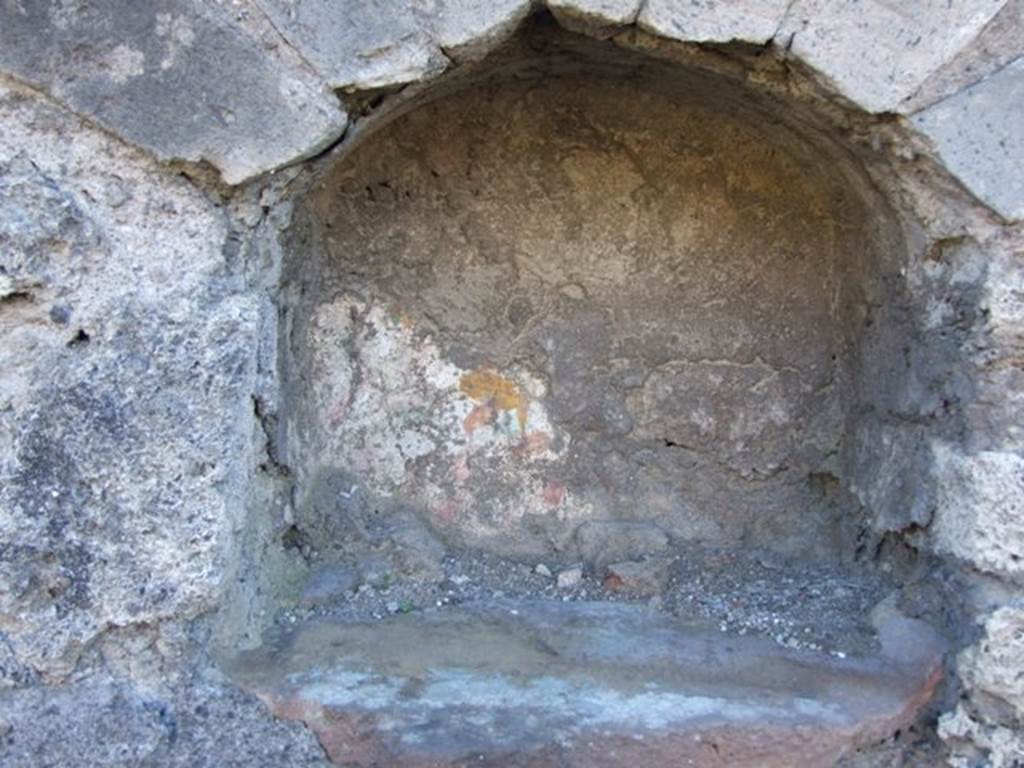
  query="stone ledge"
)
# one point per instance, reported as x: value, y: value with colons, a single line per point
x: 537, y: 683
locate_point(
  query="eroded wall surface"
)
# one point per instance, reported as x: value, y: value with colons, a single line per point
x: 556, y: 309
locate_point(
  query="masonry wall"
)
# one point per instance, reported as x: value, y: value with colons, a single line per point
x: 148, y: 158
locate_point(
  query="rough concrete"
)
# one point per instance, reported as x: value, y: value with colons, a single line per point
x: 601, y: 542
x: 175, y: 77
x: 591, y: 684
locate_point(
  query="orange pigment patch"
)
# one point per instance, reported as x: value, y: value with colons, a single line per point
x: 553, y: 493
x: 485, y: 385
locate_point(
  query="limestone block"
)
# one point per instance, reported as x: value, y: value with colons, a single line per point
x: 469, y: 29
x: 174, y: 77
x: 360, y: 46
x: 714, y: 21
x: 978, y: 136
x: 878, y: 53
x: 999, y: 43
x: 594, y: 17
x: 979, y: 514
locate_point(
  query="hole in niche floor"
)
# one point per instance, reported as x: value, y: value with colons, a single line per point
x: 571, y: 409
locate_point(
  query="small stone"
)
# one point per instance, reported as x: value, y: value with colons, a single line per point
x: 570, y: 577
x: 647, y: 577
x: 543, y: 570
x: 392, y: 606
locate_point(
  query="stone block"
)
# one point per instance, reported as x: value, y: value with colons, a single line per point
x: 876, y: 53
x: 999, y: 42
x: 468, y: 29
x: 176, y: 77
x: 597, y: 685
x: 978, y: 137
x: 599, y: 18
x: 985, y: 727
x: 358, y: 46
x: 979, y: 516
x: 714, y: 21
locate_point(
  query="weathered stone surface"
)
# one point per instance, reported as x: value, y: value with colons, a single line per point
x: 584, y: 684
x: 359, y: 48
x: 999, y: 42
x: 714, y: 21
x: 876, y: 53
x: 118, y: 459
x: 492, y: 325
x: 979, y: 515
x: 175, y: 77
x: 601, y: 542
x: 978, y: 137
x: 107, y: 724
x: 594, y: 17
x: 469, y: 29
x: 985, y: 728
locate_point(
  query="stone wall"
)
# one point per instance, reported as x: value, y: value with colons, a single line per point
x: 150, y: 161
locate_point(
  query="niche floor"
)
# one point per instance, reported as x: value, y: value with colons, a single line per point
x: 584, y: 683
x: 686, y: 656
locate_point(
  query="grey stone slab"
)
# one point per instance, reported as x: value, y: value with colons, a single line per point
x: 999, y: 43
x: 979, y: 136
x: 361, y: 46
x: 538, y: 683
x: 174, y: 77
x: 719, y: 21
x: 468, y: 29
x: 878, y: 53
x: 594, y: 17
